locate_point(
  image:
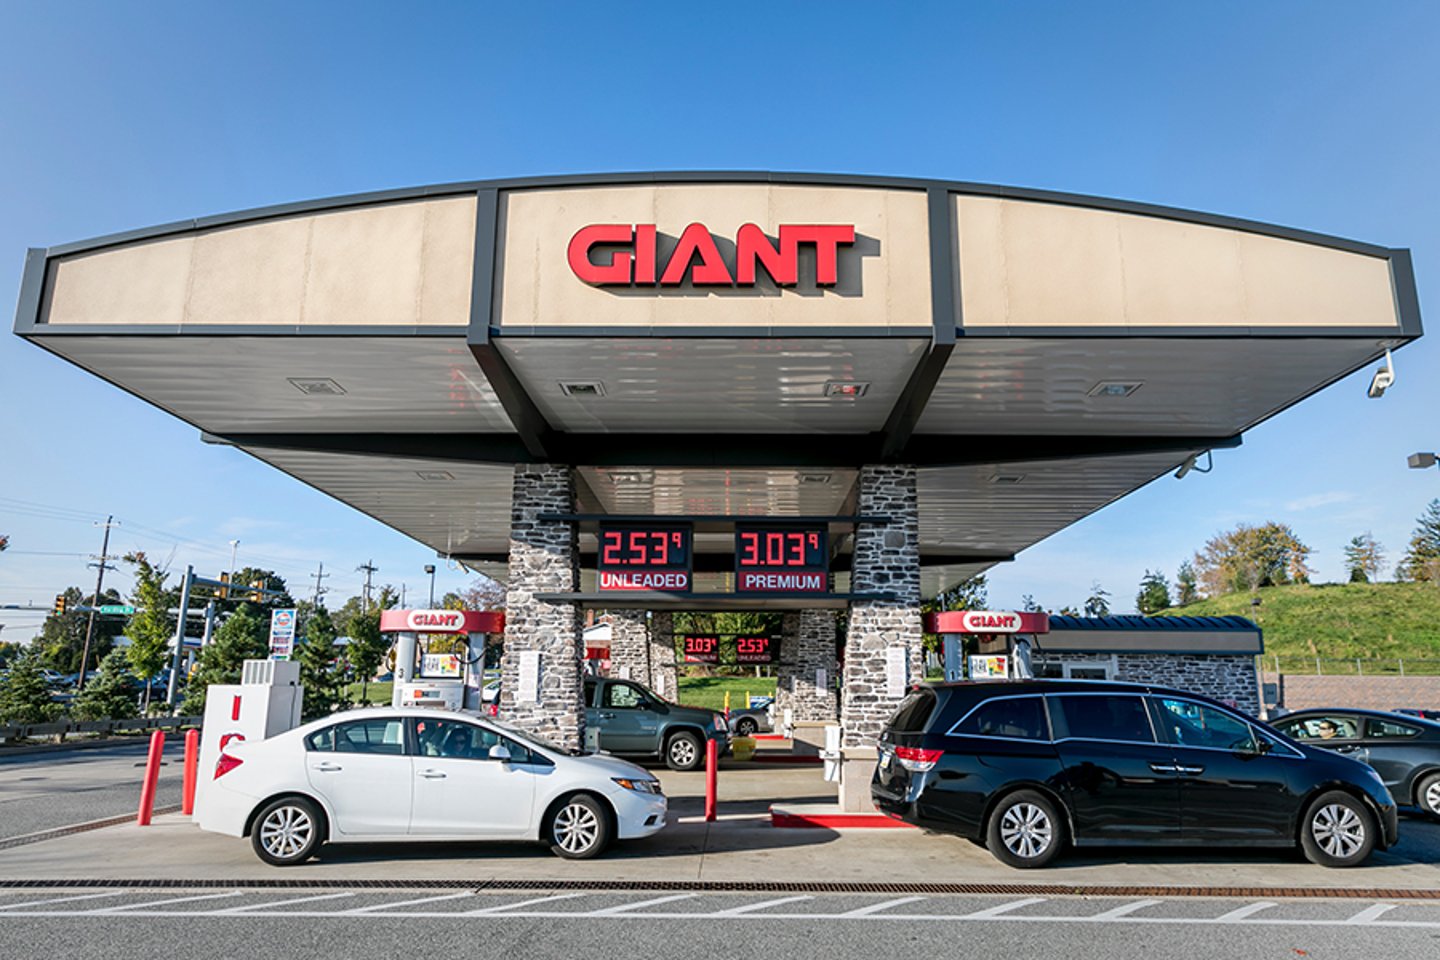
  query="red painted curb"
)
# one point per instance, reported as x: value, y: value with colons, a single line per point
x: 785, y: 758
x: 876, y: 821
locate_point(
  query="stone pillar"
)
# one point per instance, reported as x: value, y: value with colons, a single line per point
x: 807, y: 645
x: 544, y: 558
x: 662, y: 656
x: 886, y: 559
x: 629, y: 645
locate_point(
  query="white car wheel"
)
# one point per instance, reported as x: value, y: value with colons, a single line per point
x: 579, y: 828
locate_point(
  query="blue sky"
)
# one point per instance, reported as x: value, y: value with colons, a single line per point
x: 1314, y: 115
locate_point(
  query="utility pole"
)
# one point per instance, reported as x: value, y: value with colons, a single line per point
x: 320, y: 575
x: 368, y: 568
x: 99, y: 582
x: 177, y: 664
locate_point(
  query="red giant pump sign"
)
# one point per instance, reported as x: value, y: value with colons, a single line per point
x: 634, y: 258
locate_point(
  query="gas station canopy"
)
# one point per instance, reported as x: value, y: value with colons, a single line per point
x: 730, y: 344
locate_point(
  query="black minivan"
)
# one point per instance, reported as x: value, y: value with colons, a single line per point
x: 1026, y: 766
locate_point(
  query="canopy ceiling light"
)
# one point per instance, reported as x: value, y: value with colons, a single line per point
x: 1383, y: 379
x: 1190, y: 464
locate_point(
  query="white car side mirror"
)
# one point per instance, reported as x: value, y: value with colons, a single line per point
x: 500, y: 752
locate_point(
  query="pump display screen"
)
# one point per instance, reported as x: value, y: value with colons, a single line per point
x: 652, y: 556
x: 781, y: 558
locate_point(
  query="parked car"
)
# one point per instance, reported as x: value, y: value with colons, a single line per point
x: 1027, y: 766
x: 407, y: 774
x: 1404, y: 750
x: 748, y: 721
x: 635, y: 721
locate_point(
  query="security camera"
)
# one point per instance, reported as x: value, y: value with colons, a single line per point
x: 1383, y: 379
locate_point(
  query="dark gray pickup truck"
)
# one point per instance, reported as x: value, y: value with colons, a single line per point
x: 634, y: 721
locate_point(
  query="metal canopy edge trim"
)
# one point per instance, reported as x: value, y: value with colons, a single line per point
x: 725, y: 562
x: 744, y: 450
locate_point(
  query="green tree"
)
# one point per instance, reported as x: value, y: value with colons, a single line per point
x: 149, y: 628
x: 110, y: 694
x: 243, y: 636
x: 1028, y: 604
x: 24, y: 697
x: 971, y: 594
x: 1364, y: 558
x: 1422, y: 557
x: 9, y: 651
x: 1154, y: 594
x: 62, y: 637
x: 1098, y: 603
x: 1250, y: 557
x: 316, y: 654
x: 1187, y: 587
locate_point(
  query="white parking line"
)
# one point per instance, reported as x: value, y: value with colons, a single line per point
x: 628, y: 907
x: 1371, y: 912
x: 877, y: 907
x: 493, y: 911
x: 1124, y: 909
x: 1240, y: 913
x: 40, y: 903
x: 258, y: 907
x: 762, y: 905
x: 376, y: 907
x: 986, y: 914
x: 151, y: 904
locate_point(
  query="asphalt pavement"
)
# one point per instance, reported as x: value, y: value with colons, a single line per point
x: 59, y: 788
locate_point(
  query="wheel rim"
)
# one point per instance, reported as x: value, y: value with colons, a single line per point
x: 576, y: 828
x: 746, y: 728
x: 1338, y: 830
x: 1432, y: 798
x: 682, y: 751
x: 1026, y: 831
x: 286, y: 832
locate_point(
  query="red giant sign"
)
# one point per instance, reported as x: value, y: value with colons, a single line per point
x: 635, y: 257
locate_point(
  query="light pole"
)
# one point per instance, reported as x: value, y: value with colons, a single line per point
x: 430, y: 569
x: 1420, y: 461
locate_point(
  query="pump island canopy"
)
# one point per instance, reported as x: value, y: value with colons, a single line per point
x: 722, y: 345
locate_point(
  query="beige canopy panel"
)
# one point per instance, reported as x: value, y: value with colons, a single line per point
x: 733, y: 344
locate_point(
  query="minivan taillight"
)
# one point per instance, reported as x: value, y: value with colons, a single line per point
x: 918, y: 759
x: 225, y: 764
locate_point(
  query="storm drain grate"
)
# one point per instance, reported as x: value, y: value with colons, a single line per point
x: 44, y: 835
x: 740, y: 886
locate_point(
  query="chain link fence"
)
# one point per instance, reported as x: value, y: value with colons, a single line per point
x: 1353, y: 667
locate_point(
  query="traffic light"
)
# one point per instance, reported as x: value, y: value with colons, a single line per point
x: 60, y: 604
x: 224, y: 592
x: 258, y: 586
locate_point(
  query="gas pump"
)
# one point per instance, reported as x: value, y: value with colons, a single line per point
x: 449, y: 679
x: 1003, y: 647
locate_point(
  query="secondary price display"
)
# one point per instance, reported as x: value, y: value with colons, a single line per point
x: 705, y: 648
x: 650, y: 556
x: 781, y: 558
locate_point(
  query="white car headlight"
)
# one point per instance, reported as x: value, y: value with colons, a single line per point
x: 639, y: 786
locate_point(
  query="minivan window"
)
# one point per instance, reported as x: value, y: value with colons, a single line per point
x: 914, y: 712
x: 1019, y: 718
x: 1102, y: 717
x: 1191, y: 724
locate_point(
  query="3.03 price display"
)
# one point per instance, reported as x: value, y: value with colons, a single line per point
x: 644, y: 556
x: 781, y: 558
x: 702, y: 649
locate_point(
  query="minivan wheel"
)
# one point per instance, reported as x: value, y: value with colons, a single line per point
x: 1338, y: 831
x: 683, y: 752
x: 1427, y: 795
x: 287, y: 831
x: 579, y: 828
x: 1025, y: 830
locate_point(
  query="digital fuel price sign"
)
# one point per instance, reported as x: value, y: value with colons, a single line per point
x: 702, y: 649
x: 644, y: 556
x: 781, y: 558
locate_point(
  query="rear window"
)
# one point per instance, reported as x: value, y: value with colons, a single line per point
x: 1376, y: 729
x: 1099, y: 717
x: 914, y: 712
x: 1018, y: 718
x: 381, y: 735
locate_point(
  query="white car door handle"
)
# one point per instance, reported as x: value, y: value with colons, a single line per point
x: 327, y: 767
x: 432, y: 774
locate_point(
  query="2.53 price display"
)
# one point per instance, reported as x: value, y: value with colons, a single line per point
x: 654, y: 556
x: 781, y: 558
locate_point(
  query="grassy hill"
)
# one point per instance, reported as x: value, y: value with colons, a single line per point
x: 1339, y: 621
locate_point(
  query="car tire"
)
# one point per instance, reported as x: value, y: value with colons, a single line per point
x: 579, y: 828
x: 1427, y: 795
x: 1025, y: 830
x: 684, y: 751
x: 287, y: 831
x: 746, y: 727
x: 1338, y: 830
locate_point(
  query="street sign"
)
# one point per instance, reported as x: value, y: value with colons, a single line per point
x: 116, y: 609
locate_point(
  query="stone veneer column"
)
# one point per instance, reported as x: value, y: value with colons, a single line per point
x: 807, y: 645
x: 662, y: 656
x: 629, y: 645
x: 886, y: 559
x: 544, y: 558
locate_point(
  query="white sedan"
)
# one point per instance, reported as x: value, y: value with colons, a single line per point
x: 388, y: 774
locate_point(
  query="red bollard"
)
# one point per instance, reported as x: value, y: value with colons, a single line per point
x: 712, y: 766
x: 192, y: 764
x: 152, y: 777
